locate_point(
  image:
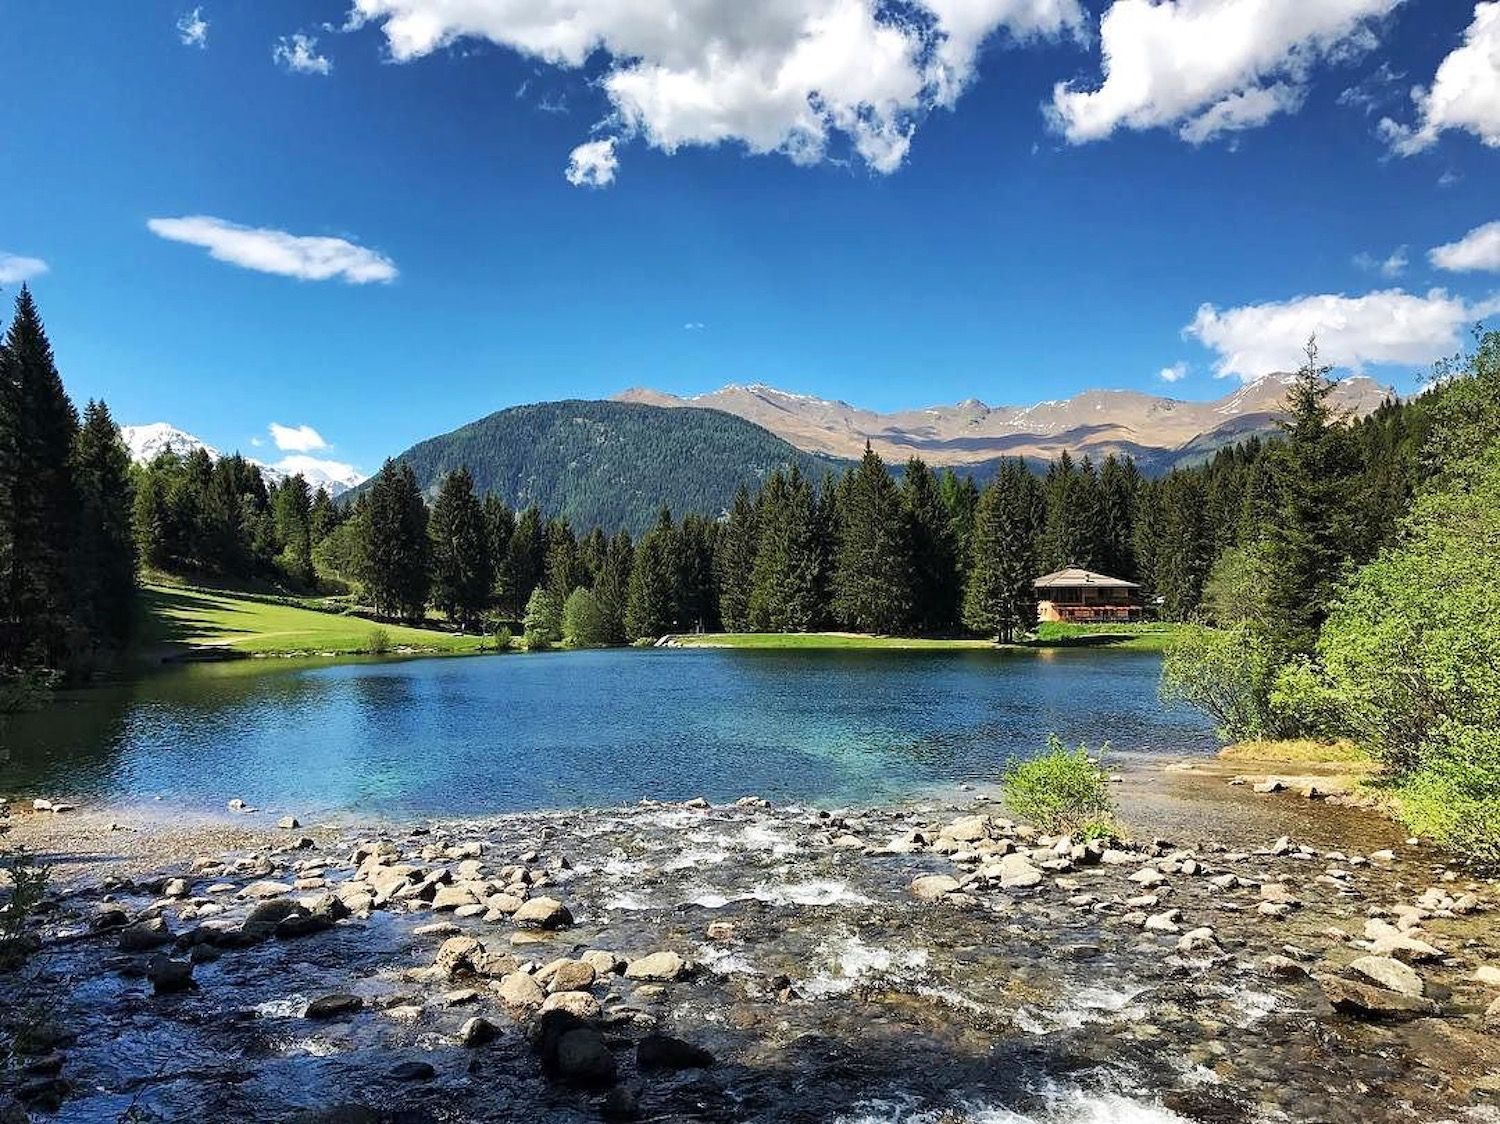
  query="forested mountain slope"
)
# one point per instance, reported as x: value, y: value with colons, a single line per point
x: 611, y: 464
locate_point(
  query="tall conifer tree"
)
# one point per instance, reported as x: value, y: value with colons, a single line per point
x: 999, y: 599
x: 105, y: 559
x: 872, y: 571
x: 462, y: 561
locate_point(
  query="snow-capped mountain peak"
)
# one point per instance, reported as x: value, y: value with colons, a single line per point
x: 147, y: 442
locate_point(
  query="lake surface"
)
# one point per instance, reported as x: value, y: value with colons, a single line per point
x: 507, y: 733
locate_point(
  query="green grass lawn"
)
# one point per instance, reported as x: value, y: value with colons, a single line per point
x: 179, y: 618
x: 1126, y: 637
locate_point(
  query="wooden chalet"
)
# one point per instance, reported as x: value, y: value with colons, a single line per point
x: 1078, y: 596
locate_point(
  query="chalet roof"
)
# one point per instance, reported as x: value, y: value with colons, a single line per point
x: 1074, y: 577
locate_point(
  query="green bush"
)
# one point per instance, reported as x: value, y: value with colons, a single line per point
x: 503, y: 639
x: 1062, y: 791
x: 583, y: 622
x: 28, y: 886
x: 1224, y: 673
x: 377, y: 643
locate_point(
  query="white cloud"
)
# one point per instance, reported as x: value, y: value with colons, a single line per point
x: 694, y: 326
x: 275, y: 251
x: 192, y: 29
x: 1477, y: 250
x: 787, y: 76
x: 299, y: 54
x: 319, y: 471
x: 296, y: 439
x: 1386, y: 326
x: 593, y: 164
x: 1175, y: 373
x: 1209, y: 66
x: 1465, y: 92
x: 1388, y: 267
x: 14, y: 268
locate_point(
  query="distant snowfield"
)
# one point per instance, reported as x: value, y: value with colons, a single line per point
x: 147, y: 442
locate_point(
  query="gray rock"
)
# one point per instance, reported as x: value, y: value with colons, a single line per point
x: 477, y: 1031
x: 145, y: 935
x: 1390, y: 974
x: 332, y: 1006
x: 413, y: 1071
x: 661, y: 967
x: 571, y: 975
x: 1017, y: 873
x: 543, y: 913
x: 168, y: 975
x: 520, y: 992
x: 288, y: 823
x: 1366, y: 1001
x: 579, y: 1004
x: 264, y: 917
x: 1387, y: 940
x: 582, y: 1058
x: 458, y: 954
x: 931, y: 887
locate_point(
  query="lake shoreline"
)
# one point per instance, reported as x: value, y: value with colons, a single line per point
x: 926, y: 955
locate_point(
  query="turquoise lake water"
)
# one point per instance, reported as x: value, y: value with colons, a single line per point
x: 507, y: 733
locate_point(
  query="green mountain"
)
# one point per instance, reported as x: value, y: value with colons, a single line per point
x: 611, y: 464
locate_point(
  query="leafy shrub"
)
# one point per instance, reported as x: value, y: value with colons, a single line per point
x: 1063, y: 790
x: 28, y: 886
x: 1226, y: 675
x: 543, y: 619
x: 583, y: 622
x: 22, y: 690
x: 378, y: 642
x: 503, y: 639
x: 1302, y: 702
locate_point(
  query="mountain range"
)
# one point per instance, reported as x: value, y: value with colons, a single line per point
x: 1159, y: 432
x: 612, y: 463
x: 147, y: 442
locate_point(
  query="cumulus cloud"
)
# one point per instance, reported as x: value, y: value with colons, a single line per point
x: 1209, y: 67
x: 1175, y: 373
x: 593, y: 164
x: 192, y: 29
x: 1465, y: 92
x: 298, y: 53
x: 310, y: 258
x: 1391, y: 266
x: 1477, y: 250
x: 14, y: 268
x: 787, y: 76
x: 1386, y: 326
x: 296, y: 438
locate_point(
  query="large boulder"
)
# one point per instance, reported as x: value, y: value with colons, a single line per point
x: 543, y: 913
x: 1018, y: 873
x: 662, y: 1051
x: 145, y: 935
x: 659, y: 967
x: 1366, y: 1001
x: 931, y: 887
x: 1391, y: 974
x: 520, y: 993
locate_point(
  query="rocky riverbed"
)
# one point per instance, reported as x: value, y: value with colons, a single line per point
x: 932, y: 963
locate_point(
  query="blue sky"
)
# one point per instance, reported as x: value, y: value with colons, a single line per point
x: 1002, y: 199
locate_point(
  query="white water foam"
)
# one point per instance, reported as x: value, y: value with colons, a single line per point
x: 1064, y: 1106
x: 1079, y: 1008
x: 853, y: 962
x: 820, y: 892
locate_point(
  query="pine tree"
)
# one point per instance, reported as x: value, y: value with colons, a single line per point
x: 788, y: 573
x: 291, y: 505
x: 1184, y: 552
x: 872, y: 572
x: 43, y: 499
x: 936, y: 591
x: 462, y: 562
x: 104, y: 562
x: 612, y: 586
x: 1119, y: 483
x: 522, y: 569
x: 324, y: 518
x: 151, y: 518
x: 735, y: 562
x: 1310, y: 537
x: 653, y: 582
x: 999, y: 599
x: 563, y: 568
x: 696, y: 605
x: 396, y: 551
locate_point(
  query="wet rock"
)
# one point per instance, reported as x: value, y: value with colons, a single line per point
x: 579, y: 1004
x: 543, y: 913
x: 458, y: 954
x: 662, y: 1051
x: 968, y: 829
x: 520, y: 992
x: 1017, y: 873
x: 413, y: 1071
x: 720, y: 931
x: 175, y: 888
x: 477, y: 1031
x: 1148, y: 876
x: 1390, y: 974
x: 1387, y: 940
x: 661, y: 967
x: 1366, y: 1001
x: 1164, y: 922
x: 452, y: 897
x: 168, y: 975
x: 572, y: 1051
x: 333, y: 1006
x: 931, y: 887
x: 145, y: 935
x: 568, y: 975
x: 265, y: 889
x: 1198, y: 940
x: 437, y: 929
x: 300, y: 923
x: 1282, y: 967
x: 607, y: 963
x: 264, y: 917
x: 1488, y: 974
x: 288, y: 823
